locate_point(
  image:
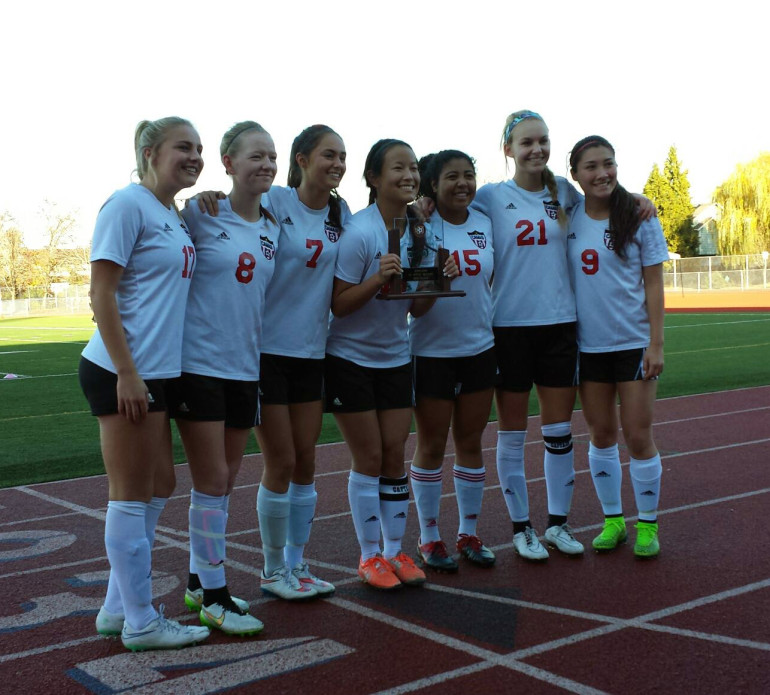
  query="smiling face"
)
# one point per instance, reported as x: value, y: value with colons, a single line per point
x: 399, y: 178
x: 597, y: 172
x: 529, y: 146
x: 455, y: 188
x: 325, y: 166
x: 253, y: 164
x: 176, y: 162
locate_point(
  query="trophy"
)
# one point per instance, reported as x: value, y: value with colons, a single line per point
x: 421, y: 280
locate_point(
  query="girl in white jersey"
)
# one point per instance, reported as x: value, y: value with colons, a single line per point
x: 216, y: 400
x: 454, y: 365
x: 368, y: 370
x: 616, y: 264
x: 534, y: 326
x: 312, y: 218
x: 142, y: 260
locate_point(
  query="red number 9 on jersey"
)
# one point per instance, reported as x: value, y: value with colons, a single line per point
x: 590, y: 259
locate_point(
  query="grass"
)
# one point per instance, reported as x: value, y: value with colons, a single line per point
x: 47, y: 433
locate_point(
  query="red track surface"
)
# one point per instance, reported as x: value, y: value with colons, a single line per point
x: 693, y: 621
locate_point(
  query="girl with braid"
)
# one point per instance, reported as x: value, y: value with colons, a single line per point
x: 616, y: 263
x: 216, y: 400
x: 368, y: 367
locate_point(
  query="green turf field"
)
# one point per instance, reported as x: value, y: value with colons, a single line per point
x: 46, y: 432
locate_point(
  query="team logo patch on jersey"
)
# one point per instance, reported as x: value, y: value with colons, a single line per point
x: 551, y: 208
x: 478, y: 238
x: 609, y: 241
x: 268, y: 247
x: 332, y: 232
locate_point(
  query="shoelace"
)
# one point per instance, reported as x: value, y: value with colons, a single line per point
x: 529, y: 535
x: 164, y: 623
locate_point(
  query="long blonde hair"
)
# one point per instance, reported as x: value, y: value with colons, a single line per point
x: 152, y: 134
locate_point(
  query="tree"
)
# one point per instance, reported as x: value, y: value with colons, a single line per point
x: 59, y: 233
x: 14, y: 262
x: 744, y: 200
x: 670, y: 191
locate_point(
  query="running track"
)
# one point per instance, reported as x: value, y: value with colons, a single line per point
x: 696, y: 620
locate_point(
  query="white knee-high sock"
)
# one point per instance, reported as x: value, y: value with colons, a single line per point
x: 394, y: 507
x: 510, y: 471
x: 302, y: 503
x: 364, y: 498
x: 469, y: 487
x: 426, y: 485
x: 645, y: 476
x: 273, y: 513
x: 207, y: 539
x: 559, y: 465
x: 607, y: 476
x: 112, y: 601
x: 128, y: 550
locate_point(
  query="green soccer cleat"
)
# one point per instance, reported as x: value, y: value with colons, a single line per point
x: 647, y: 544
x: 613, y: 534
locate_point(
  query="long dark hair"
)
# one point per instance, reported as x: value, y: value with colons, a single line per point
x: 431, y: 166
x: 373, y: 165
x: 304, y: 144
x: 624, y: 212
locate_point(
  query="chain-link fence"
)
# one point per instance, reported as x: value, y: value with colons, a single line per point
x: 62, y: 298
x: 704, y: 273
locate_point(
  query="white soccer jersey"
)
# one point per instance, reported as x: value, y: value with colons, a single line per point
x: 376, y: 334
x: 531, y: 284
x: 611, y: 307
x: 460, y: 327
x: 136, y: 231
x: 298, y: 298
x: 223, y: 323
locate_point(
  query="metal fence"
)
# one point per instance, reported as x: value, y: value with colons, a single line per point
x: 63, y: 299
x: 748, y: 272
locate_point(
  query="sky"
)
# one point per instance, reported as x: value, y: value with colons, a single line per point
x: 78, y: 76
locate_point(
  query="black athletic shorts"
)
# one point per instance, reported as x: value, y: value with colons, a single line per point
x: 284, y: 380
x: 210, y: 399
x: 100, y: 388
x: 542, y: 355
x: 612, y: 367
x: 449, y: 377
x: 351, y: 388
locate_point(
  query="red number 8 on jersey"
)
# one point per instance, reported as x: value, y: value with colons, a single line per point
x: 245, y: 270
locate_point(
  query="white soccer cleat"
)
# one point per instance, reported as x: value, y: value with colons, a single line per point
x: 283, y: 584
x: 561, y: 537
x: 527, y: 544
x: 162, y: 633
x: 230, y: 622
x: 109, y: 624
x: 307, y: 578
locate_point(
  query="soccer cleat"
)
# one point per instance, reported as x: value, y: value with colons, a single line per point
x: 230, y: 621
x: 435, y: 556
x: 378, y: 573
x: 109, y: 624
x: 527, y: 544
x: 561, y: 537
x: 405, y: 569
x: 193, y: 599
x: 307, y: 578
x: 283, y: 584
x: 473, y: 550
x: 162, y: 633
x: 647, y: 544
x: 613, y: 534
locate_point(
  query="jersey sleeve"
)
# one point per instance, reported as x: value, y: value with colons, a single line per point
x: 482, y: 199
x: 118, y: 226
x: 353, y: 256
x: 572, y: 197
x: 654, y: 249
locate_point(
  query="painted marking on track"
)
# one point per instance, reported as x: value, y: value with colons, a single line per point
x: 44, y: 609
x: 28, y: 544
x: 227, y: 666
